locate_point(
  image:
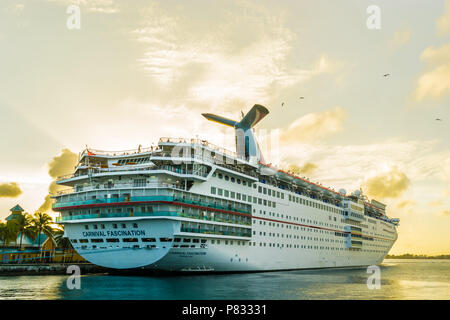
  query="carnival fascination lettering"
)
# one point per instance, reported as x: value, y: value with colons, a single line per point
x: 114, y: 233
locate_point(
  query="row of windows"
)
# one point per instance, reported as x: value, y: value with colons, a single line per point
x: 313, y: 204
x: 270, y: 192
x: 243, y: 197
x: 134, y: 161
x: 232, y: 179
x: 127, y: 210
x: 114, y: 225
x: 273, y: 193
x: 100, y: 240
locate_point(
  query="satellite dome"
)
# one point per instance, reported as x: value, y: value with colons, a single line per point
x: 357, y: 193
x: 342, y: 191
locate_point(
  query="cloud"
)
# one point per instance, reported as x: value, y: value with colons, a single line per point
x: 95, y: 6
x: 406, y: 203
x: 435, y: 203
x: 243, y: 55
x: 434, y: 55
x: 349, y: 165
x: 445, y: 213
x: 446, y: 193
x: 58, y: 166
x: 314, y: 126
x: 10, y: 190
x: 400, y: 38
x: 443, y: 22
x: 390, y: 184
x: 306, y: 169
x: 435, y: 82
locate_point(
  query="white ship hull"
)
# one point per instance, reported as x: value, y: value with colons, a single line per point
x: 219, y: 257
x: 306, y: 240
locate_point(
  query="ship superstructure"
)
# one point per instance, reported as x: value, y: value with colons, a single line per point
x: 187, y: 205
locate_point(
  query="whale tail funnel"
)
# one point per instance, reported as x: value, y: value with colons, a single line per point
x: 246, y: 145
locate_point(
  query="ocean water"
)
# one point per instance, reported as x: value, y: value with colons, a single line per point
x: 400, y: 279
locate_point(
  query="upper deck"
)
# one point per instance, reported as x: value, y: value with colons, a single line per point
x: 195, y: 160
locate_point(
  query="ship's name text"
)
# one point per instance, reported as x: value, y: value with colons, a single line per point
x: 114, y: 233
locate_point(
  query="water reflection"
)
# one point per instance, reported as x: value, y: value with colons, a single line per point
x: 31, y: 287
x: 399, y: 280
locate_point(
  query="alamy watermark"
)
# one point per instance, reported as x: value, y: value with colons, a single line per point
x: 74, y: 280
x: 374, y: 280
x: 373, y: 21
x: 74, y: 20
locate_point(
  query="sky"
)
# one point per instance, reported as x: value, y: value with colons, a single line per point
x: 125, y: 73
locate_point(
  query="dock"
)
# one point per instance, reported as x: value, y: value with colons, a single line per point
x: 47, y: 269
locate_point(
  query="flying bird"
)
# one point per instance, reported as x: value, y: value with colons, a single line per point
x: 282, y: 104
x: 302, y: 98
x: 438, y: 119
x: 386, y: 75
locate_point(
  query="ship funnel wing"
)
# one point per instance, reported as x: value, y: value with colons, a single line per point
x: 246, y: 145
x: 219, y: 119
x: 253, y: 117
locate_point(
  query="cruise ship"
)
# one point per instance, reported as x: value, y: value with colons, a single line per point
x: 186, y: 205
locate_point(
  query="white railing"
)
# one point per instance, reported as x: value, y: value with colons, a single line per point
x: 200, y: 142
x: 118, y: 153
x: 117, y: 186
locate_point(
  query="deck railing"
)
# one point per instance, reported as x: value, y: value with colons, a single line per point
x: 239, y: 208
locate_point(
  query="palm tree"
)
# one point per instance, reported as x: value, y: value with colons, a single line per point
x: 62, y: 242
x: 24, y: 226
x: 42, y: 222
x: 4, y: 233
x: 11, y: 233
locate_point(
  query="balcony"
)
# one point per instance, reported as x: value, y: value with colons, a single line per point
x: 97, y: 171
x: 151, y: 214
x: 187, y: 200
x: 217, y: 232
